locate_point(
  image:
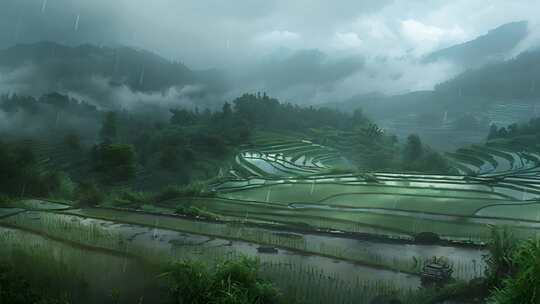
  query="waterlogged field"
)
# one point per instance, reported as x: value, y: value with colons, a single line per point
x: 310, y: 194
x: 340, y: 235
x: 134, y: 245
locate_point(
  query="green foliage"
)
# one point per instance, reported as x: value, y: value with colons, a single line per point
x: 16, y: 165
x: 114, y: 162
x: 193, y: 211
x: 429, y: 162
x: 108, y: 132
x: 417, y: 157
x: 88, y: 194
x: 499, y: 263
x: 413, y: 150
x: 59, y: 185
x: 523, y: 135
x: 456, y: 292
x: 14, y: 289
x: 4, y: 200
x: 30, y: 279
x: 524, y: 285
x: 264, y: 112
x: 20, y: 175
x: 230, y: 282
x: 172, y: 192
x: 72, y: 141
x: 135, y: 197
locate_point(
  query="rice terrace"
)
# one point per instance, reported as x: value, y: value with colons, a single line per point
x: 403, y: 172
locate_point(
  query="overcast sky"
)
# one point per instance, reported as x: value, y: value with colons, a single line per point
x: 208, y: 33
x: 235, y: 33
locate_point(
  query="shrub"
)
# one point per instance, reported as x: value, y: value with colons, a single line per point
x: 115, y: 162
x: 524, y: 285
x: 4, y: 200
x: 88, y: 194
x: 172, y: 192
x: 59, y: 185
x: 72, y: 141
x: 499, y: 260
x: 427, y: 238
x: 234, y: 282
x: 13, y: 288
x: 135, y: 197
x: 196, y: 212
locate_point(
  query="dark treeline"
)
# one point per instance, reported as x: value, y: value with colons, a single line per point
x: 111, y: 147
x: 115, y: 145
x: 525, y: 133
x: 265, y: 112
x: 49, y: 115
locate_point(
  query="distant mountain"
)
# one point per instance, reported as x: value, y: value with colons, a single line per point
x: 140, y: 70
x: 493, y: 47
x: 285, y: 69
x: 513, y: 81
x: 102, y: 75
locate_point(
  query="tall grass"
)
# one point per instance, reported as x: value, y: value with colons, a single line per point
x: 522, y: 286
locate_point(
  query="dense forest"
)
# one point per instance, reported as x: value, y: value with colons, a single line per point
x: 118, y: 145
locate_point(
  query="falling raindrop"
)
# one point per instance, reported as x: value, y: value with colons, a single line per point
x: 44, y: 6
x: 77, y: 22
x: 57, y: 119
x: 228, y: 44
x: 17, y: 30
x: 268, y: 195
x: 141, y: 78
x: 116, y: 61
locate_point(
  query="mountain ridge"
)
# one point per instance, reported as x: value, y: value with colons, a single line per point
x: 492, y: 47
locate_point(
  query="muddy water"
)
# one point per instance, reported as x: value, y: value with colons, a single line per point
x: 468, y: 262
x: 402, y: 254
x: 169, y: 243
x: 184, y: 245
x: 391, y: 253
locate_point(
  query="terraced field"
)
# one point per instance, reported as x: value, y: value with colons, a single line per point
x: 306, y: 199
x: 291, y: 182
x: 494, y: 159
x: 266, y: 157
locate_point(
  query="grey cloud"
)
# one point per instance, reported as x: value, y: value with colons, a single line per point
x: 237, y: 36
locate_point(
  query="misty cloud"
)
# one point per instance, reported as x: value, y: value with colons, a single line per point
x: 367, y: 45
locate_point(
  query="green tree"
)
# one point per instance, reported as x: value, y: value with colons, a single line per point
x: 493, y: 132
x: 109, y: 128
x: 115, y: 162
x: 413, y: 148
x: 88, y: 194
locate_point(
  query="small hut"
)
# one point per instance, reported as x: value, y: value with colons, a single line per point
x: 437, y: 270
